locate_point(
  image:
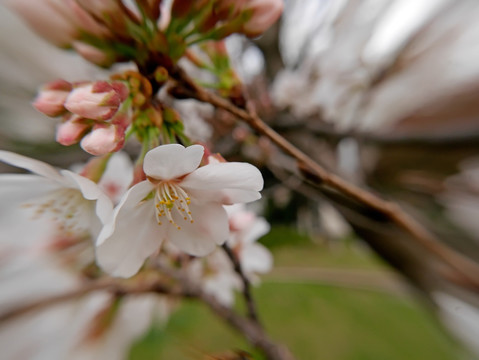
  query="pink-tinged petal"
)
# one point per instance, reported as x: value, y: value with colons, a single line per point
x: 255, y: 258
x: 91, y: 191
x: 264, y: 13
x: 135, y: 237
x: 260, y: 227
x: 102, y: 140
x: 171, y: 161
x: 128, y: 203
x: 240, y: 220
x: 241, y: 176
x: 71, y: 131
x: 48, y: 20
x: 210, y: 228
x: 224, y: 196
x: 86, y: 102
x: 221, y: 286
x: 50, y: 102
x: 35, y: 166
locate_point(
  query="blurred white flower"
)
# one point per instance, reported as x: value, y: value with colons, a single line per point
x: 27, y: 62
x: 47, y: 257
x: 73, y: 203
x: 382, y: 66
x: 245, y: 229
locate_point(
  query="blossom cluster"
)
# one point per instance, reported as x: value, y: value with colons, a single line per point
x: 109, y: 218
x: 66, y: 218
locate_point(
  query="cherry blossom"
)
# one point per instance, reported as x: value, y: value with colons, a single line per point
x: 245, y: 229
x: 72, y: 202
x: 178, y: 202
x: 39, y: 260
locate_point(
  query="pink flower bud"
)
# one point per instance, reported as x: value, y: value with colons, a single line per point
x: 264, y: 13
x: 93, y: 54
x: 99, y: 100
x: 51, y: 98
x: 228, y: 9
x: 47, y: 19
x: 85, y: 20
x: 101, y: 8
x: 103, y: 140
x: 71, y: 131
x: 60, y: 22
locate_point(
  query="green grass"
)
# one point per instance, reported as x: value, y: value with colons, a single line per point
x: 314, y: 320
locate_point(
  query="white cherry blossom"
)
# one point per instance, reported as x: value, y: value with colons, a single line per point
x: 245, y: 229
x: 178, y: 202
x: 37, y: 261
x: 69, y: 202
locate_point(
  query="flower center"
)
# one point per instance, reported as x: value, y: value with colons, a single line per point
x: 169, y: 196
x: 67, y: 208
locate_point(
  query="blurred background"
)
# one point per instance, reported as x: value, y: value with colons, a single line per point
x: 382, y: 92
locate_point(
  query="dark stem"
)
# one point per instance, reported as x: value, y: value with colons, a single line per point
x: 185, y: 288
x: 250, y: 329
x: 248, y: 297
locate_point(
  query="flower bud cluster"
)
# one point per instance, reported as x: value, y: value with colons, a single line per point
x: 145, y: 31
x: 91, y: 113
x: 90, y: 27
x: 224, y: 17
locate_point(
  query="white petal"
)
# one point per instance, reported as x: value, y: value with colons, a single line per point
x: 19, y: 188
x: 255, y: 258
x: 241, y: 176
x: 172, y: 161
x: 222, y: 286
x: 129, y: 201
x: 117, y: 177
x: 91, y: 191
x: 259, y: 228
x: 210, y: 228
x: 35, y: 166
x: 224, y: 196
x: 135, y: 236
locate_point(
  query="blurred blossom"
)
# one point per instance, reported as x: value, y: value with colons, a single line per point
x: 194, y: 115
x: 26, y: 63
x: 245, y: 230
x: 48, y: 256
x: 74, y: 203
x: 362, y: 56
x: 459, y: 316
x: 246, y: 58
x: 461, y: 197
x: 215, y: 272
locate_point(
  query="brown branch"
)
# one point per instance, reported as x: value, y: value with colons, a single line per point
x: 250, y: 305
x: 251, y: 330
x: 185, y: 288
x: 110, y: 285
x: 466, y: 268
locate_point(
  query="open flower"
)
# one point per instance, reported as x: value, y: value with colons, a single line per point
x: 245, y: 229
x: 178, y: 202
x: 72, y: 203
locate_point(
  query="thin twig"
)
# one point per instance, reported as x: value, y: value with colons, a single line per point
x: 250, y: 305
x: 250, y: 329
x: 462, y: 265
x: 108, y: 284
x: 185, y: 288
